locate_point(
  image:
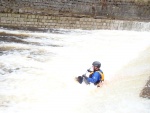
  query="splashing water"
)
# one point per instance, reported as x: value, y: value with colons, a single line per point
x: 37, y: 71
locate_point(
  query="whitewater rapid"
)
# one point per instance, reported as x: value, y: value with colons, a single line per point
x: 37, y: 70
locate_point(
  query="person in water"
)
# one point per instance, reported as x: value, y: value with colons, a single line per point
x: 96, y: 76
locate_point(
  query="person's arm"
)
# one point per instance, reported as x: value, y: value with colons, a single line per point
x: 94, y: 78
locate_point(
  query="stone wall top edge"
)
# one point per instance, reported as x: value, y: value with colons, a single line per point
x: 16, y: 15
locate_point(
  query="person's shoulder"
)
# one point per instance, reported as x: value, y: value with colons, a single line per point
x: 101, y: 71
x: 96, y: 73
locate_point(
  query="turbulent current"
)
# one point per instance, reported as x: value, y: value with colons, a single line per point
x: 37, y: 71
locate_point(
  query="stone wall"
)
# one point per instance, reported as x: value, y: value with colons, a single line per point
x: 40, y: 21
x: 110, y: 9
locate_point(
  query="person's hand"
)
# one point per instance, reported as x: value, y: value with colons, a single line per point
x: 89, y: 70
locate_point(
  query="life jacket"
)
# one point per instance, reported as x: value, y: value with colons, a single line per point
x: 101, y: 74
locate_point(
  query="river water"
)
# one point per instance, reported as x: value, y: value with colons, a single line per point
x: 37, y: 70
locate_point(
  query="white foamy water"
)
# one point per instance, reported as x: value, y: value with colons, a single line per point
x: 37, y: 71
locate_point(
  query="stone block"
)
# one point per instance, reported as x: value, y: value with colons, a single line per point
x: 23, y: 16
x: 45, y: 17
x: 50, y: 21
x: 36, y: 16
x: 81, y: 19
x: 13, y: 22
x: 53, y: 18
x: 43, y: 20
x: 88, y: 23
x: 84, y: 23
x: 33, y: 16
x: 45, y: 23
x: 49, y: 17
x: 9, y: 15
x: 41, y: 17
x: 3, y: 14
x: 34, y: 20
x: 16, y: 15
x: 55, y: 21
x: 21, y: 19
x: 3, y: 18
x: 8, y: 21
x: 29, y: 16
x: 104, y: 24
x: 98, y: 20
x: 94, y: 23
x: 57, y: 18
x: 52, y: 24
x: 77, y: 22
x: 3, y: 21
x: 35, y: 23
x: 48, y: 24
x: 40, y: 23
x: 90, y: 19
x: 15, y: 19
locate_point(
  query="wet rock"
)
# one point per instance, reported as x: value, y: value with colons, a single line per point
x: 146, y: 90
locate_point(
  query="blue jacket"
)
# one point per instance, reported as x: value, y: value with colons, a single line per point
x: 95, y: 77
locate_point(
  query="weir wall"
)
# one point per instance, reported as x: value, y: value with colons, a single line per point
x: 42, y: 21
